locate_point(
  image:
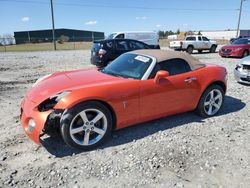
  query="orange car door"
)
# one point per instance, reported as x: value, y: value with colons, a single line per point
x: 177, y: 93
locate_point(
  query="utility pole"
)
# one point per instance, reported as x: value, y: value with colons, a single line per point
x: 28, y: 32
x: 92, y: 36
x: 53, y: 24
x: 238, y: 27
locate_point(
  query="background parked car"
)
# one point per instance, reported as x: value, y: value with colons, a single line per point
x: 150, y: 38
x: 242, y: 71
x: 234, y: 39
x: 239, y: 48
x: 104, y: 51
x: 194, y: 42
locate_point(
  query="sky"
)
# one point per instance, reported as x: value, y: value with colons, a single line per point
x: 130, y: 15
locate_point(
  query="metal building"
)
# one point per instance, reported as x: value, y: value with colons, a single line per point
x: 46, y: 35
x: 227, y: 34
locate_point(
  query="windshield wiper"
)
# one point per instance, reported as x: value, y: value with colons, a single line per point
x: 114, y: 74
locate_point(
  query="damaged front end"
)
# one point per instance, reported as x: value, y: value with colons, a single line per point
x: 41, y: 119
x: 53, y: 120
x: 52, y: 123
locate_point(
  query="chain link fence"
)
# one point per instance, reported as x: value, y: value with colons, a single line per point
x: 63, y: 43
x: 45, y: 44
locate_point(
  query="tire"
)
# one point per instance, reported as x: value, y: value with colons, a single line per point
x: 100, y: 67
x: 86, y: 125
x: 207, y: 106
x: 190, y: 49
x: 245, y: 53
x: 157, y: 47
x: 200, y: 51
x: 213, y: 49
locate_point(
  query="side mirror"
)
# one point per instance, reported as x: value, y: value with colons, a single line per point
x: 160, y: 75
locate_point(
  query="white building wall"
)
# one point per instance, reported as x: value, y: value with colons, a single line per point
x: 226, y: 35
x: 171, y: 37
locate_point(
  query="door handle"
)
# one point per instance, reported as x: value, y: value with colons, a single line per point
x: 190, y: 79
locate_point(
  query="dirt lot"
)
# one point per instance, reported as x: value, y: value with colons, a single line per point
x: 182, y: 150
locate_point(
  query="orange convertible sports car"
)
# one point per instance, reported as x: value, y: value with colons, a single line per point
x: 138, y: 86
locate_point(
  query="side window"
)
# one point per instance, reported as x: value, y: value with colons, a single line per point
x: 191, y: 38
x: 175, y: 66
x: 199, y: 38
x: 121, y: 45
x: 120, y: 36
x: 109, y: 45
x: 136, y: 45
x: 205, y: 39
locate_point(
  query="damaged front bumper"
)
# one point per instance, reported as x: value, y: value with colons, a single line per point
x: 242, y: 76
x: 35, y: 123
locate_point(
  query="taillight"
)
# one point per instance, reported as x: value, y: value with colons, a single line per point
x: 101, y: 52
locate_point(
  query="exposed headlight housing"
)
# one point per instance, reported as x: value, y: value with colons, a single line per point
x: 59, y: 96
x: 41, y: 79
x: 49, y: 103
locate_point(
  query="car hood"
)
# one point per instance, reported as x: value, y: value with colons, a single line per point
x: 245, y: 61
x: 68, y: 81
x: 233, y: 46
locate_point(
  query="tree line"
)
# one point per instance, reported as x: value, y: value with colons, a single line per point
x: 165, y: 34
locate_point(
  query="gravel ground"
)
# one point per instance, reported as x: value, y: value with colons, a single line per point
x: 177, y: 151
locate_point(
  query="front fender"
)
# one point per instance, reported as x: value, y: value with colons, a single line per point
x: 77, y: 97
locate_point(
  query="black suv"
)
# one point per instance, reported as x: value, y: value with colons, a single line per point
x: 104, y: 51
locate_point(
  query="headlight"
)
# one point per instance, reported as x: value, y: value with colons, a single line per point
x: 239, y: 66
x: 237, y: 49
x: 49, y: 103
x: 41, y: 79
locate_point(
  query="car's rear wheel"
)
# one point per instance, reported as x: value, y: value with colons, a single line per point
x: 213, y: 49
x: 211, y: 101
x: 190, y: 49
x: 86, y: 125
x: 245, y: 53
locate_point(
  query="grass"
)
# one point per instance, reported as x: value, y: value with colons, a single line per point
x: 67, y: 46
x: 46, y: 47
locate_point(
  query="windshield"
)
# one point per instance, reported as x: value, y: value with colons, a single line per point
x: 111, y: 36
x: 128, y: 66
x: 240, y: 41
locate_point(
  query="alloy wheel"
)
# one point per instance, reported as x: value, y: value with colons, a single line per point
x: 213, y: 102
x: 88, y: 127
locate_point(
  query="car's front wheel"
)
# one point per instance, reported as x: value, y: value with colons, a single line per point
x: 245, y: 53
x: 211, y: 101
x: 87, y: 125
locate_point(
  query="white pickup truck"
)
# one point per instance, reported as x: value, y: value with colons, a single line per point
x: 194, y: 42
